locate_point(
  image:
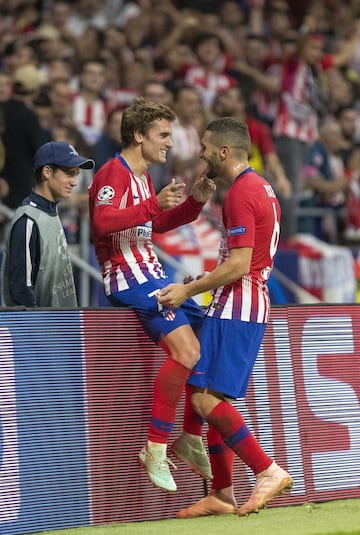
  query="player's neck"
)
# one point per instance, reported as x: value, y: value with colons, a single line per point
x: 238, y: 168
x: 134, y: 161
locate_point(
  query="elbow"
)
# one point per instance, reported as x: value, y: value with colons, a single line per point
x: 98, y: 226
x: 240, y: 270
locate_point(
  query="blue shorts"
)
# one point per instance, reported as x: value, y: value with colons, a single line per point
x: 157, y: 320
x: 228, y: 353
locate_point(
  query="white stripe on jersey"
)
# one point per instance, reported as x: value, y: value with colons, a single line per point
x: 124, y: 199
x: 246, y: 298
x: 134, y: 190
x: 267, y: 306
x: 211, y: 310
x: 106, y: 277
x: 79, y: 110
x: 120, y: 280
x: 227, y: 312
x: 134, y: 266
x: 139, y: 187
x: 144, y: 188
x: 29, y: 228
x: 261, y: 305
x: 154, y: 267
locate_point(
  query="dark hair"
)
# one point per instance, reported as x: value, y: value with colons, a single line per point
x: 89, y: 61
x: 341, y: 109
x: 202, y: 37
x: 179, y: 87
x: 140, y: 116
x: 38, y: 172
x: 232, y: 132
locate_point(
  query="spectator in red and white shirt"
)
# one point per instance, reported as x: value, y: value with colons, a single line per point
x: 300, y: 104
x: 89, y: 108
x: 209, y: 75
x: 186, y: 139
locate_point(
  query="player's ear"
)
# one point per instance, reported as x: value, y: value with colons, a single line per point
x: 223, y: 152
x: 138, y: 137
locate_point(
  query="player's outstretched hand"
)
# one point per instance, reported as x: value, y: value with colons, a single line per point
x: 203, y: 188
x: 171, y: 195
x: 173, y: 295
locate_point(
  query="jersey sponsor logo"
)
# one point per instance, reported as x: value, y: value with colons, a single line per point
x: 143, y: 232
x: 106, y: 193
x: 235, y: 231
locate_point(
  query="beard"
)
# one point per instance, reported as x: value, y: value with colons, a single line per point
x: 212, y: 170
x: 211, y: 173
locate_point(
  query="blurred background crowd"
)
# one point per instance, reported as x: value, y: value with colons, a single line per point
x: 290, y: 69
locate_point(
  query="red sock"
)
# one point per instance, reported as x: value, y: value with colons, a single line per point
x: 192, y: 422
x: 221, y: 460
x: 232, y: 427
x: 168, y: 388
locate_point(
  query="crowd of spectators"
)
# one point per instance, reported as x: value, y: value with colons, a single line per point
x: 68, y: 68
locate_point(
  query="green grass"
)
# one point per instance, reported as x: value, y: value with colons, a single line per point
x: 340, y: 517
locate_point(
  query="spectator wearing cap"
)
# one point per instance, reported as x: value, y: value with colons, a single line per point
x: 36, y: 268
x: 23, y: 134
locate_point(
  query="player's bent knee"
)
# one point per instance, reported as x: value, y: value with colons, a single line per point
x: 198, y: 403
x: 187, y: 359
x: 187, y: 355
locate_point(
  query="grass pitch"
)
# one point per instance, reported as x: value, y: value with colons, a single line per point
x: 340, y: 517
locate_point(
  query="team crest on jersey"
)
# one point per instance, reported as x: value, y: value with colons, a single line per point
x: 105, y: 194
x: 265, y: 273
x: 168, y: 314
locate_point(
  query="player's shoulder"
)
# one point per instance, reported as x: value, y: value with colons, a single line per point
x: 256, y: 187
x: 111, y: 170
x: 253, y: 179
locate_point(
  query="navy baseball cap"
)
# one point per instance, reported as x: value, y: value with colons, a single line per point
x: 62, y: 154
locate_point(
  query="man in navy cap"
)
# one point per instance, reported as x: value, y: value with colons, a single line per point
x: 36, y: 269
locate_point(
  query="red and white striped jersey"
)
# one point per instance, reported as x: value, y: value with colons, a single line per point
x: 297, y: 117
x: 251, y: 218
x: 208, y: 83
x: 123, y: 211
x: 89, y: 118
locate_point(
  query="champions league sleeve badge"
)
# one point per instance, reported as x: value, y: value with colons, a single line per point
x: 105, y: 195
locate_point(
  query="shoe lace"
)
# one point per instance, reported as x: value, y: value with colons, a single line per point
x: 163, y: 464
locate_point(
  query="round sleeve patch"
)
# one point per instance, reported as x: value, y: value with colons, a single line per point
x: 106, y: 193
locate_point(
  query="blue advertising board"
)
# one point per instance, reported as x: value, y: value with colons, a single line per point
x: 43, y: 432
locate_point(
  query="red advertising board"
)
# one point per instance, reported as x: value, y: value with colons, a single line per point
x: 303, y: 404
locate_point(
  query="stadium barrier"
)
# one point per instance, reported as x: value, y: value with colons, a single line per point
x: 75, y: 395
